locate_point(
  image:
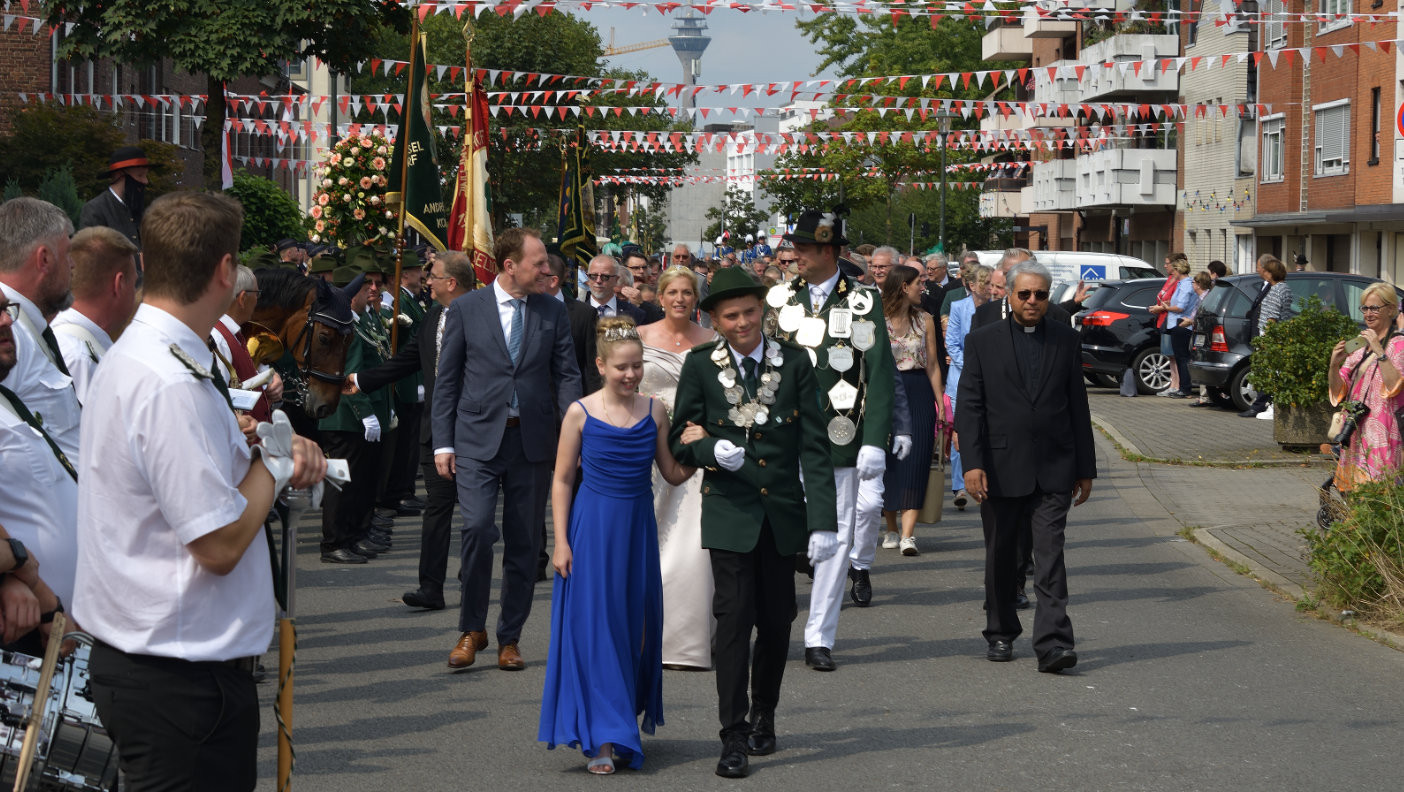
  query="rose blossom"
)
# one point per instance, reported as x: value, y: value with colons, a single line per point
x: 365, y: 182
x: 359, y: 213
x: 378, y: 163
x: 316, y: 212
x: 323, y: 198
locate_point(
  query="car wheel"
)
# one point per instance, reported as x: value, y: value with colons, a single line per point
x: 1240, y: 389
x: 1152, y: 371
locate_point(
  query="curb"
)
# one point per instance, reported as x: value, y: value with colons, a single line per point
x: 1267, y: 577
x: 1131, y: 448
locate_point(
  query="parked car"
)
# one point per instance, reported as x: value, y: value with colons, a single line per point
x: 1071, y: 266
x: 1220, y: 349
x: 1118, y: 332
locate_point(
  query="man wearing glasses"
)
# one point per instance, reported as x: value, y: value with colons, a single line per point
x: 231, y: 352
x: 603, y: 273
x: 1028, y: 458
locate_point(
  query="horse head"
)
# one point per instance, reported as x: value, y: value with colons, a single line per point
x: 313, y: 323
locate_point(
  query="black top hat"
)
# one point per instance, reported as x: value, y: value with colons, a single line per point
x: 127, y: 157
x: 731, y: 282
x: 818, y: 228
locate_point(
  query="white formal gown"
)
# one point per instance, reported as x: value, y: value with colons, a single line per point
x: 688, y: 624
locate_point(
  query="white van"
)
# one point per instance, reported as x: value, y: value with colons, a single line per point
x: 1071, y: 266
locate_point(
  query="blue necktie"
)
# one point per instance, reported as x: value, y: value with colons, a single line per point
x: 514, y: 339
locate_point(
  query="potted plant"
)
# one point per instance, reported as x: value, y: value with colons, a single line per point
x: 1290, y: 362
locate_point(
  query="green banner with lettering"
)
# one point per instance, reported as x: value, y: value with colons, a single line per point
x: 416, y: 160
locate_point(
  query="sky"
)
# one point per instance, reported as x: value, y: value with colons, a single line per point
x: 746, y: 48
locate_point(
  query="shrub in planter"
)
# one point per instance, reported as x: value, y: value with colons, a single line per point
x: 1290, y: 358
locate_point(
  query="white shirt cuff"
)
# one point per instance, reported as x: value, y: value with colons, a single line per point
x: 438, y: 451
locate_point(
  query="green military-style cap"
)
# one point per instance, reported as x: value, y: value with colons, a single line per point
x: 344, y: 275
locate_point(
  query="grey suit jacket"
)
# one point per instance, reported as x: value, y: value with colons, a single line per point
x: 476, y: 377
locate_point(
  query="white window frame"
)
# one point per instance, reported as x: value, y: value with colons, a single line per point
x: 1328, y: 9
x: 1274, y: 25
x: 1273, y: 126
x: 1331, y: 166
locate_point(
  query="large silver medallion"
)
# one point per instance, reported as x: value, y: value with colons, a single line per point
x: 840, y: 322
x: 840, y: 358
x: 860, y: 301
x: 864, y: 335
x: 842, y: 431
x: 811, y: 332
x: 790, y: 318
x: 778, y: 295
x: 727, y: 377
x: 770, y: 323
x: 843, y: 395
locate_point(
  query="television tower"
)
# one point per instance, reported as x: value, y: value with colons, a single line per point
x: 688, y: 42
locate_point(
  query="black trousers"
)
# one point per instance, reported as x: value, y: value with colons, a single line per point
x: 524, y: 486
x: 1047, y: 515
x: 177, y: 725
x: 440, y: 498
x: 1180, y: 345
x: 754, y: 591
x: 402, y: 457
x: 346, y: 512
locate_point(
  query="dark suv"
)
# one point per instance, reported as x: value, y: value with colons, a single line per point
x: 1118, y: 331
x: 1220, y: 346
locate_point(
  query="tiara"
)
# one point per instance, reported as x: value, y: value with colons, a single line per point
x: 626, y: 333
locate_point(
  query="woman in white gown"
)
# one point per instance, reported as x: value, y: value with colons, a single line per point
x: 685, y: 565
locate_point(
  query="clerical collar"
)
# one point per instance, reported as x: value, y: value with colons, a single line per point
x: 1032, y: 329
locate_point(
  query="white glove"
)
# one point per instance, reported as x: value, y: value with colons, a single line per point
x: 276, y: 449
x: 822, y: 546
x: 872, y: 461
x: 729, y: 457
x: 901, y: 446
x: 419, y: 393
x: 404, y: 320
x: 372, y: 425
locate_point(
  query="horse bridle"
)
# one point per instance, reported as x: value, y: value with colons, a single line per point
x: 305, y: 338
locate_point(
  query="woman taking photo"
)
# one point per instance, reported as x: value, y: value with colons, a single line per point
x: 913, y: 337
x: 686, y: 567
x: 1370, y: 378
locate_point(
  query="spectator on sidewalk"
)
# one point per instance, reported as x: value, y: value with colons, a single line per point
x: 1370, y: 376
x: 1276, y: 305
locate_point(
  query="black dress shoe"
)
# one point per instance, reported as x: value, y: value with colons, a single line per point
x: 1021, y: 600
x: 409, y: 508
x: 386, y: 524
x: 418, y: 599
x: 862, y: 589
x: 343, y: 556
x: 380, y: 541
x: 734, y: 762
x: 762, y: 739
x: 366, y: 549
x: 1059, y: 659
x: 819, y: 659
x: 1249, y: 413
x: 1000, y: 651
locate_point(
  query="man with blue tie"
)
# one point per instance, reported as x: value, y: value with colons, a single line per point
x: 603, y: 273
x: 506, y: 370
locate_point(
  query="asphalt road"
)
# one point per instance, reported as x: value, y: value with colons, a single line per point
x: 1191, y: 678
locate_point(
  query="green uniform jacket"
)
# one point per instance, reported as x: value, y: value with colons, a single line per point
x: 361, y: 355
x: 736, y: 505
x: 873, y: 412
x: 407, y: 389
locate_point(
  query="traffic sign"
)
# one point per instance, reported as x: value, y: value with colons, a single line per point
x: 1093, y: 272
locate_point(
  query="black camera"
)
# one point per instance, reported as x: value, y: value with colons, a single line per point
x: 1355, y: 412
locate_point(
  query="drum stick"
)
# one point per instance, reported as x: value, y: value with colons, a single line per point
x: 41, y: 698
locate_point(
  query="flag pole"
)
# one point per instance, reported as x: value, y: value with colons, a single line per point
x: 409, y: 106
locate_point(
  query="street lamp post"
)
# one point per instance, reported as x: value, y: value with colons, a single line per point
x: 945, y: 117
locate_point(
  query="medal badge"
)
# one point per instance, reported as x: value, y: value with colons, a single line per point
x: 840, y: 323
x: 840, y: 358
x: 727, y: 378
x: 811, y: 332
x: 843, y: 395
x: 864, y: 335
x: 842, y: 431
x: 770, y: 323
x: 860, y: 302
x: 790, y: 317
x: 778, y: 295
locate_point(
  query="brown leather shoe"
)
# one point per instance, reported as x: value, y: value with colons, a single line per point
x: 509, y: 659
x: 467, y: 648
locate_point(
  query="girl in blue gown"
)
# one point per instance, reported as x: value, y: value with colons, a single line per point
x: 604, y: 668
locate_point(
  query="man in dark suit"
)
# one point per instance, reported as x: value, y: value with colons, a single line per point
x: 450, y: 277
x: 120, y: 206
x: 603, y: 273
x: 754, y: 396
x: 1026, y: 439
x: 506, y: 370
x: 582, y: 326
x: 637, y: 264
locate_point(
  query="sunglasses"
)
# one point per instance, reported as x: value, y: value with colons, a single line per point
x: 600, y: 276
x: 1038, y: 296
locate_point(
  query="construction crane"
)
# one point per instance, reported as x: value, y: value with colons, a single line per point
x: 620, y: 50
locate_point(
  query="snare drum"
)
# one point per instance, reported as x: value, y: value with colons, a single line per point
x: 74, y: 751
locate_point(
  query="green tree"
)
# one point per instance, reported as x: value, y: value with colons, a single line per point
x: 59, y: 189
x: 222, y: 40
x: 45, y: 137
x: 741, y: 215
x: 523, y: 167
x: 270, y: 214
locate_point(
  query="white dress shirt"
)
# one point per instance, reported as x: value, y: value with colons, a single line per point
x: 505, y: 310
x: 83, y: 344
x: 167, y: 458
x: 46, y: 391
x: 819, y: 292
x: 39, y: 502
x: 611, y: 306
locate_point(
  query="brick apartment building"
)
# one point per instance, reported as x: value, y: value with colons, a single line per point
x: 1328, y: 169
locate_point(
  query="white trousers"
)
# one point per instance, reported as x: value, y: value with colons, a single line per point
x: 858, y: 513
x: 869, y: 526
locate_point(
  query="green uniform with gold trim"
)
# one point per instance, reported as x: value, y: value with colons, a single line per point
x: 367, y: 350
